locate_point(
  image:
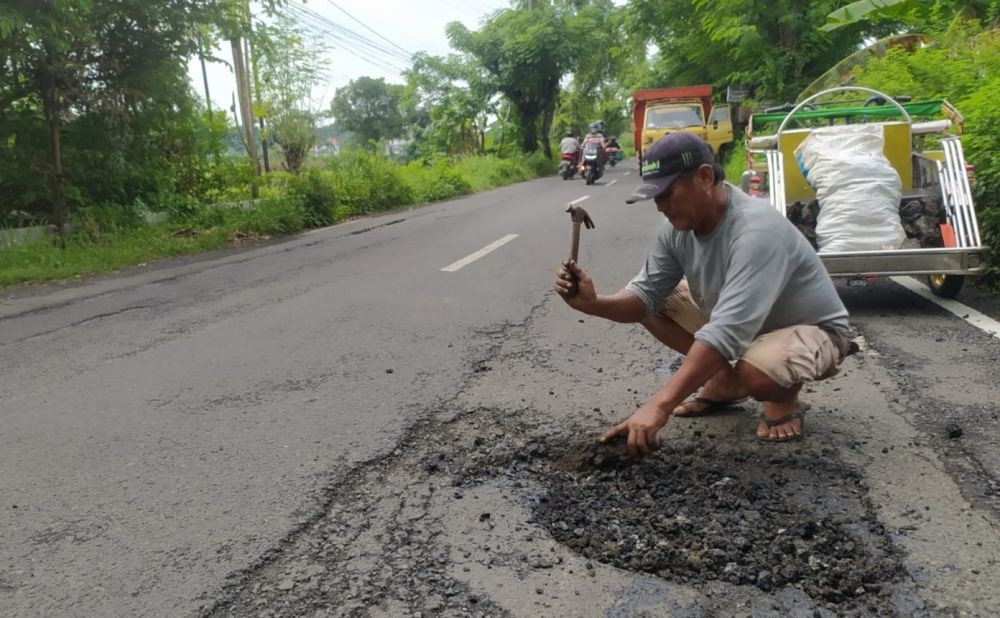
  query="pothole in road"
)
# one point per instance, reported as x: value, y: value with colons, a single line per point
x: 729, y: 518
x: 743, y: 514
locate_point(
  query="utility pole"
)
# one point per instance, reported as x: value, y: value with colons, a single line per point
x: 236, y: 116
x: 252, y: 60
x: 204, y: 74
x: 243, y: 89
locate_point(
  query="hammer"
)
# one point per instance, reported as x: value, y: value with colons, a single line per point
x: 579, y: 217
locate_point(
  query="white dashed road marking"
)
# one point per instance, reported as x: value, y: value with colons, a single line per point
x: 968, y: 314
x: 578, y: 200
x: 493, y: 246
x: 612, y: 182
x: 626, y: 173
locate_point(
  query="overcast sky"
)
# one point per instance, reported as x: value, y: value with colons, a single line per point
x: 413, y: 25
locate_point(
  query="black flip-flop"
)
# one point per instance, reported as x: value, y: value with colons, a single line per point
x: 712, y: 406
x: 798, y: 414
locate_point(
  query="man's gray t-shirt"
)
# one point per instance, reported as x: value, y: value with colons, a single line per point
x: 755, y: 273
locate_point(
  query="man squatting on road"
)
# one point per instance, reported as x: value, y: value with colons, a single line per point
x: 730, y: 284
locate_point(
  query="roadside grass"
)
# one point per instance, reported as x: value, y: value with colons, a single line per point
x: 350, y: 185
x: 44, y: 261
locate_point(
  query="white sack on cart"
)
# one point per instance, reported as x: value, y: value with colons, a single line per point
x: 857, y: 188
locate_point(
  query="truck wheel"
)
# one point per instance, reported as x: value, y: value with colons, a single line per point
x: 945, y: 286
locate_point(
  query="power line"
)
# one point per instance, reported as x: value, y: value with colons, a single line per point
x: 344, y: 11
x: 354, y: 44
x: 381, y: 64
x: 358, y: 39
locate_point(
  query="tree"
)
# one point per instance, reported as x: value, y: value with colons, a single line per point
x: 776, y: 47
x: 911, y: 13
x: 369, y: 108
x: 524, y: 53
x: 104, y: 74
x: 604, y: 76
x: 445, y: 105
x: 289, y: 68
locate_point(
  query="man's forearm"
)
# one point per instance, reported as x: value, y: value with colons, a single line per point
x: 622, y: 306
x: 701, y: 363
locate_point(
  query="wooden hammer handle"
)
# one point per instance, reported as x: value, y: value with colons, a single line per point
x: 574, y: 253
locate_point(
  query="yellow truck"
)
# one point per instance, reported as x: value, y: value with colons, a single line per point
x: 658, y: 111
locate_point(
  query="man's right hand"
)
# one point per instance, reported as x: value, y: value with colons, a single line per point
x: 575, y: 286
x: 640, y: 429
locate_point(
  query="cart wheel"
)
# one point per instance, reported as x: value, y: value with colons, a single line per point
x: 945, y: 286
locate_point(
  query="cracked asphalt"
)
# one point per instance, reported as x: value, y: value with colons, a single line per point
x: 332, y: 426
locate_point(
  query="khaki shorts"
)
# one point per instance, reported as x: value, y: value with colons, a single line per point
x: 789, y: 356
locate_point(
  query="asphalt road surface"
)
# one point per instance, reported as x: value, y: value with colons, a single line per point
x: 393, y: 417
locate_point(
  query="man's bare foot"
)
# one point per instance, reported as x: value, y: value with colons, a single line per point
x: 781, y: 422
x: 718, y: 394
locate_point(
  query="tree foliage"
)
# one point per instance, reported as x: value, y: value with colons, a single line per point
x: 369, y: 108
x: 446, y: 105
x: 776, y: 47
x: 602, y: 81
x: 94, y: 100
x: 523, y: 54
x: 918, y: 14
x: 289, y: 69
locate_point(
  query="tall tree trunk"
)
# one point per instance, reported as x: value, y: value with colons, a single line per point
x: 529, y: 136
x: 527, y: 121
x: 546, y: 130
x: 51, y: 110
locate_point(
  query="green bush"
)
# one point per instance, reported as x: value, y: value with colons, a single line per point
x: 314, y: 190
x: 366, y: 183
x: 95, y: 221
x: 488, y: 171
x: 271, y: 217
x: 429, y: 182
x: 981, y: 144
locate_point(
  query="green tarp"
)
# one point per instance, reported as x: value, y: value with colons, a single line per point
x: 920, y: 109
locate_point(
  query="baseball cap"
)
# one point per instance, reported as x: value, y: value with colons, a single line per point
x: 669, y: 157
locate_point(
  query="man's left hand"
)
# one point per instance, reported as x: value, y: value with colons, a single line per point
x: 641, y: 429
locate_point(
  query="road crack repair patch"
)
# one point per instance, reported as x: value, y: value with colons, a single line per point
x: 734, y: 517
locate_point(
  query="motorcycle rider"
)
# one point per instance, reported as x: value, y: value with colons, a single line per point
x: 569, y: 144
x: 596, y: 136
x: 569, y: 149
x: 598, y: 128
x: 613, y: 149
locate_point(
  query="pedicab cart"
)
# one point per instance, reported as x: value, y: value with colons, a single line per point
x: 936, y: 208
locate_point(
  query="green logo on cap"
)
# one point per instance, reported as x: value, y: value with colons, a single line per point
x: 652, y: 166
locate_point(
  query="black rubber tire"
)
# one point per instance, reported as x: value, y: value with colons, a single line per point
x: 946, y: 286
x: 590, y: 176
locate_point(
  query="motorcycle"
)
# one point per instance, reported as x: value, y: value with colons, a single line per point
x: 592, y: 166
x: 567, y: 167
x: 614, y: 155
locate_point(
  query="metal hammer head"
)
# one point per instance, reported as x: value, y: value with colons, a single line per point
x: 579, y: 215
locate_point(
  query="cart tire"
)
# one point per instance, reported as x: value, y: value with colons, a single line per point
x: 946, y: 286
